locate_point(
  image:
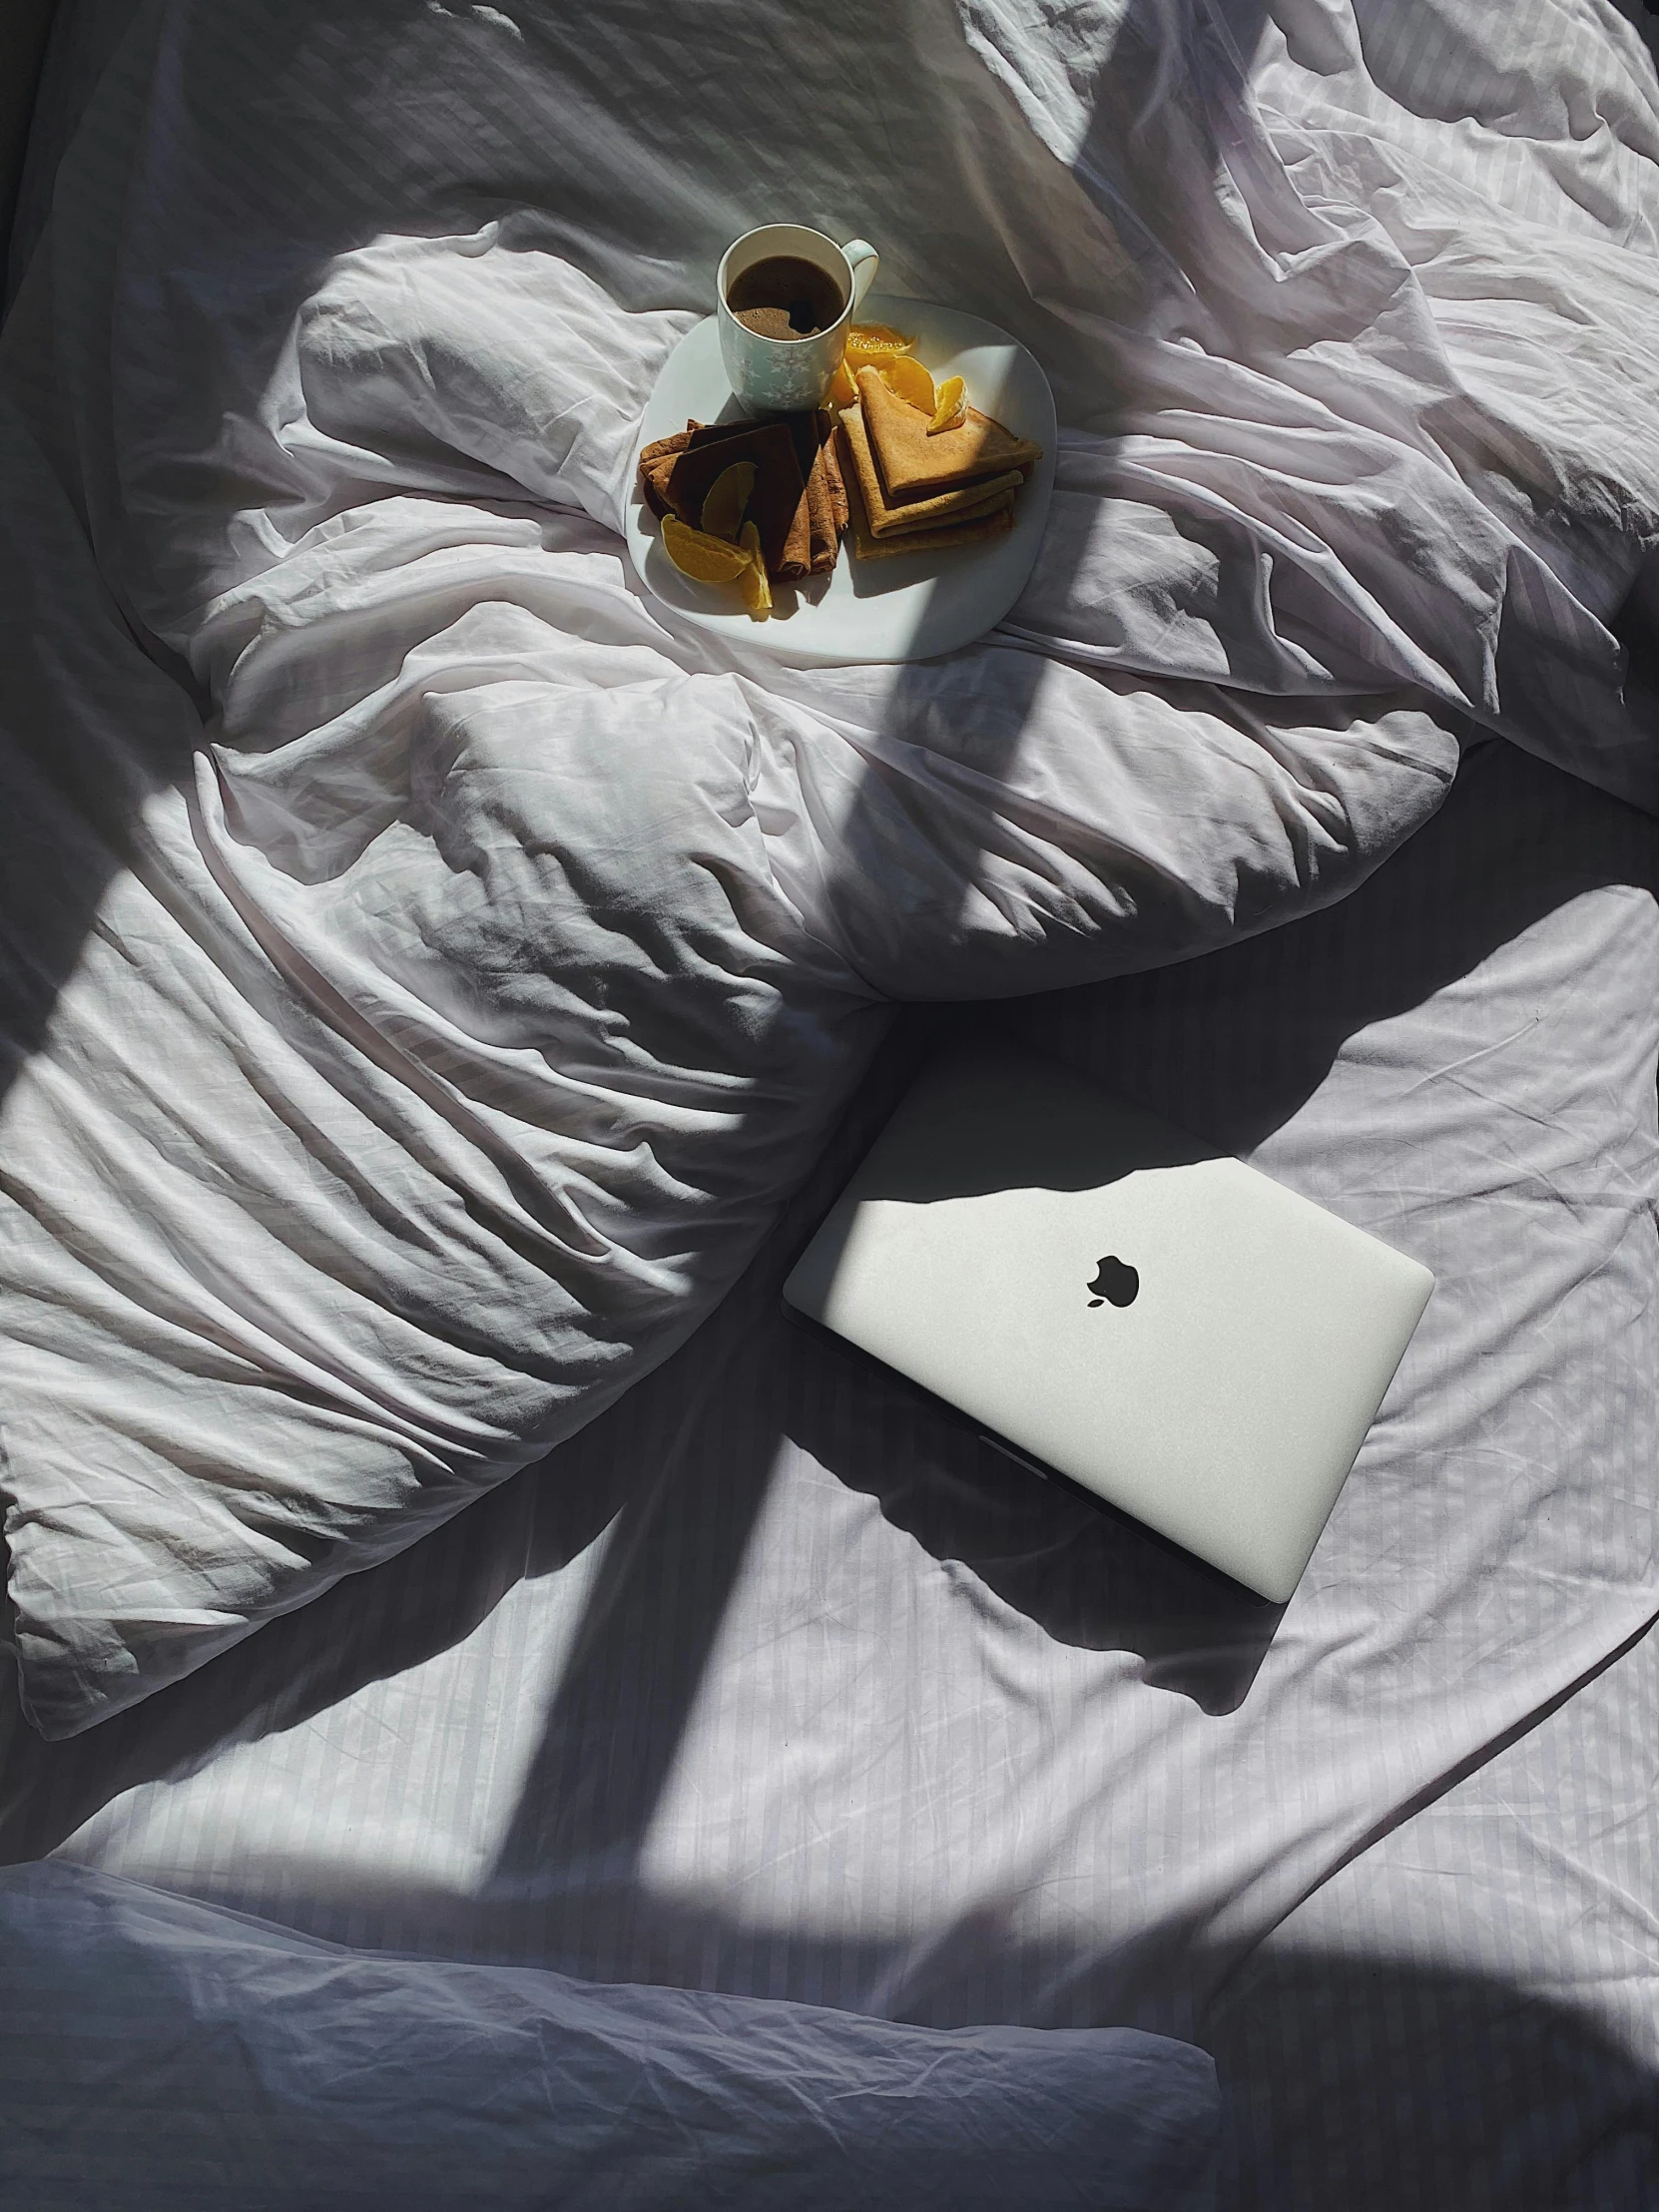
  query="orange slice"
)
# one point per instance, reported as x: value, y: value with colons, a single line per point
x: 952, y: 405
x: 756, y: 590
x: 907, y: 376
x: 873, y: 346
x: 695, y: 553
x: 726, y: 498
x: 857, y: 359
x: 843, y: 392
x: 877, y: 338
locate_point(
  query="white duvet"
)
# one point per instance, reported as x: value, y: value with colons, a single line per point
x: 429, y: 969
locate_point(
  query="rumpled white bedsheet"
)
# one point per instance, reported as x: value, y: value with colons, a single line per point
x: 419, y: 1044
x: 777, y: 1681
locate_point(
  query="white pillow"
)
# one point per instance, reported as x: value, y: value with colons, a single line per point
x: 161, y: 2056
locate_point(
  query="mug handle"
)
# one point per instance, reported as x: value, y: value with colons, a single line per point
x: 864, y: 261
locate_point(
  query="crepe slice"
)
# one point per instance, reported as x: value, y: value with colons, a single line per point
x: 660, y: 447
x: 655, y: 461
x: 972, y: 500
x: 914, y: 462
x: 869, y: 547
x: 825, y: 494
x: 777, y: 505
x: 658, y: 458
x: 832, y: 470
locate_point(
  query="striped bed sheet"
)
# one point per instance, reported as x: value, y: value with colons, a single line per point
x: 787, y: 1686
x: 1465, y: 2015
x: 776, y: 1681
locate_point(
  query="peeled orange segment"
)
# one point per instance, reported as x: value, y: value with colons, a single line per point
x: 695, y: 553
x: 873, y: 346
x: 727, y: 496
x: 856, y: 359
x: 882, y: 357
x: 843, y: 392
x: 877, y: 340
x: 952, y: 405
x: 907, y: 376
x: 756, y: 590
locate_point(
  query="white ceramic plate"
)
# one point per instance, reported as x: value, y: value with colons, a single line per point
x: 901, y: 609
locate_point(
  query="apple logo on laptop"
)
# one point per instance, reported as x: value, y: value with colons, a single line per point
x: 1116, y: 1283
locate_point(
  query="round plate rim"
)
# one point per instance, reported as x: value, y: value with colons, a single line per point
x: 955, y: 585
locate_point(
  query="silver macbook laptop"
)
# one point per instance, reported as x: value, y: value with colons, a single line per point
x: 1175, y: 1331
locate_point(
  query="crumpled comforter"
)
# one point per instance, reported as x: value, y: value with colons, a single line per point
x: 428, y: 969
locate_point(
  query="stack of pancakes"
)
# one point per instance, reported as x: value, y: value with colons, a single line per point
x: 916, y: 488
x: 798, y: 504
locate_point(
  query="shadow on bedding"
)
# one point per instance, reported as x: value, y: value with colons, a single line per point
x: 1373, y: 2082
x: 1367, y: 2083
x: 1377, y: 2083
x: 86, y: 736
x: 679, y: 1470
x: 1084, y: 1576
x: 76, y: 790
x: 1274, y: 1014
x: 1521, y: 2066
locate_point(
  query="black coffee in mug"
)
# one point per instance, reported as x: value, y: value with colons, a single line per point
x: 786, y: 297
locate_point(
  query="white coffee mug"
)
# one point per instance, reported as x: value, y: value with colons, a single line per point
x: 779, y: 376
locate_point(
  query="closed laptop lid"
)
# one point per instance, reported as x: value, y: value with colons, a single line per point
x: 1173, y: 1329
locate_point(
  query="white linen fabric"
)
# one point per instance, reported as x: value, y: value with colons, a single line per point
x: 429, y: 1038
x: 1468, y: 2013
x: 352, y: 2080
x: 774, y: 1681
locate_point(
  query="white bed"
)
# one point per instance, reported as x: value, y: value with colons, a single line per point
x: 768, y: 1683
x: 768, y: 1680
